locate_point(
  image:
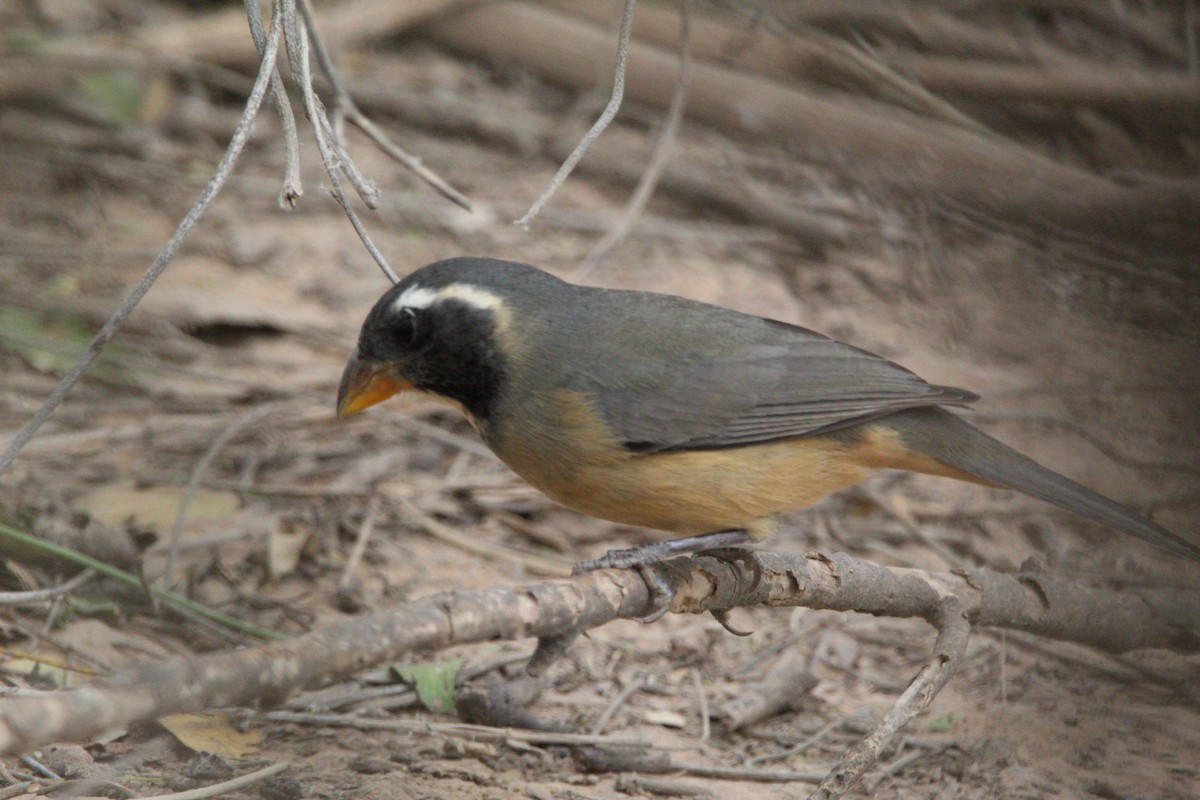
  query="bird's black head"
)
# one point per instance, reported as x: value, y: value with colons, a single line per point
x: 441, y: 330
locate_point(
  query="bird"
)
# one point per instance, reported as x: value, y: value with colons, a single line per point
x: 666, y: 413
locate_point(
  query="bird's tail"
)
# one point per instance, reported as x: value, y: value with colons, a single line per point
x: 944, y: 437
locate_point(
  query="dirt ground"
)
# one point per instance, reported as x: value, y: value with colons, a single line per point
x: 226, y: 375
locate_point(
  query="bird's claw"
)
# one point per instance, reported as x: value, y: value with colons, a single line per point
x: 721, y: 615
x: 661, y: 593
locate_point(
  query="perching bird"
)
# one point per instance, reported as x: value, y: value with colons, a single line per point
x: 657, y: 411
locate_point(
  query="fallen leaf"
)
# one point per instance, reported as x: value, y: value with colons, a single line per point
x: 434, y: 682
x: 212, y: 733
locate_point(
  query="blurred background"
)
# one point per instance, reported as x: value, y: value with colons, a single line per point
x: 1000, y: 196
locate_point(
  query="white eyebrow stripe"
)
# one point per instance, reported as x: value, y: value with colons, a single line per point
x: 415, y: 297
x: 422, y: 297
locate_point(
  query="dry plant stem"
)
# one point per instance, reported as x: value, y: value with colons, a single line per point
x: 610, y: 111
x: 789, y: 678
x: 799, y: 747
x: 39, y: 767
x: 663, y: 150
x: 953, y: 633
x: 1043, y: 604
x: 332, y: 157
x: 460, y: 730
x: 540, y: 565
x: 629, y: 691
x: 164, y: 258
x: 225, y: 787
x: 757, y: 775
x: 347, y: 108
x: 39, y: 596
x: 293, y: 188
x: 360, y: 541
x: 701, y: 705
x: 298, y: 38
x: 198, y: 473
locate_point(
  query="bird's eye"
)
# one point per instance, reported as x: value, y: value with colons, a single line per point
x: 405, y: 329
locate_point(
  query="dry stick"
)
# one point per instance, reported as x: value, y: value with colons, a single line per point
x: 1043, y: 604
x: 344, y: 106
x: 629, y: 691
x: 746, y: 773
x: 360, y: 541
x: 610, y: 111
x: 461, y: 730
x: 333, y: 158
x: 540, y: 565
x: 953, y: 633
x: 789, y: 678
x: 297, y: 41
x: 224, y: 787
x: 197, y: 475
x: 663, y: 150
x: 800, y: 747
x: 292, y: 189
x: 702, y: 705
x: 37, y: 596
x: 163, y: 259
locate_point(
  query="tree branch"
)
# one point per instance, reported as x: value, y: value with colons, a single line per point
x: 1043, y: 604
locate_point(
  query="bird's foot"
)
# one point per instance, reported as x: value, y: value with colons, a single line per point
x: 661, y: 551
x: 643, y: 558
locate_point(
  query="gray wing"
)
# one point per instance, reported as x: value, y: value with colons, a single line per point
x: 782, y: 382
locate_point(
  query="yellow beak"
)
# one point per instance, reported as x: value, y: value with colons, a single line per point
x: 365, y: 383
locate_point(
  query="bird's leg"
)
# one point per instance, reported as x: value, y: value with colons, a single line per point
x: 641, y: 557
x: 661, y: 551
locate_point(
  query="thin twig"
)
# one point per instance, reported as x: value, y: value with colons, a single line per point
x: 39, y: 767
x: 296, y: 40
x: 747, y: 773
x: 197, y: 475
x: 610, y: 111
x: 622, y: 696
x: 702, y: 703
x: 224, y: 787
x: 540, y: 565
x: 347, y: 108
x: 663, y: 150
x: 293, y: 188
x: 15, y: 789
x: 360, y: 541
x: 240, y: 135
x: 820, y: 735
x: 484, y: 733
x: 37, y: 596
x: 953, y: 634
